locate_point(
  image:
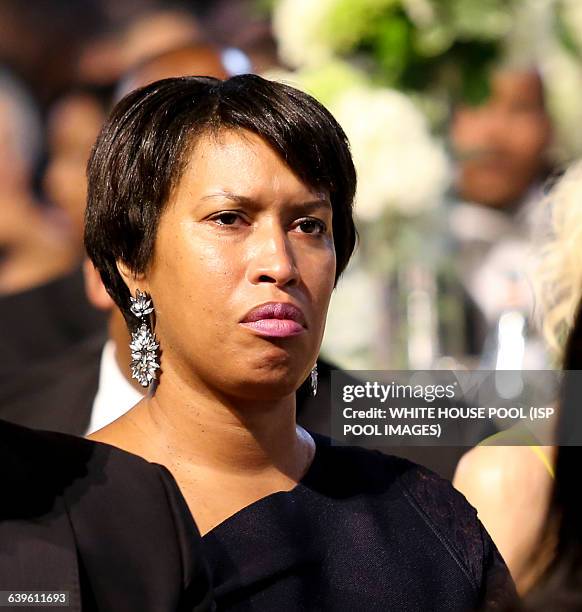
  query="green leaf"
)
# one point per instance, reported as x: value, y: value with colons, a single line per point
x: 263, y: 8
x: 475, y: 87
x: 392, y: 45
x: 565, y: 35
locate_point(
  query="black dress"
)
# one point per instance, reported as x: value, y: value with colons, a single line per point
x: 107, y: 526
x: 361, y: 531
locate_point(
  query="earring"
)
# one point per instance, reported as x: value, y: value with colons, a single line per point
x: 313, y: 380
x: 143, y: 343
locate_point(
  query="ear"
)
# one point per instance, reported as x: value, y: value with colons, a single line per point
x: 94, y: 288
x: 134, y: 281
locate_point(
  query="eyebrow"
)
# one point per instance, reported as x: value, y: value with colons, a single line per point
x: 252, y: 203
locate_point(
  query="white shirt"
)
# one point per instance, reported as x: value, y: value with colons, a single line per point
x: 115, y: 395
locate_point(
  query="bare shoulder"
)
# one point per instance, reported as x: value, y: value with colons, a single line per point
x: 510, y: 488
x: 499, y: 470
x: 491, y: 460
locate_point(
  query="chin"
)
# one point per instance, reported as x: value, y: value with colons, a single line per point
x: 269, y: 388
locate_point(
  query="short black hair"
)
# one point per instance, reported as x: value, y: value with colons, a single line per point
x: 143, y: 147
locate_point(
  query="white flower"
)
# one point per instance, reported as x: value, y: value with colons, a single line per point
x: 353, y: 330
x: 299, y: 27
x: 422, y: 12
x: 563, y: 82
x: 400, y: 164
x: 310, y: 32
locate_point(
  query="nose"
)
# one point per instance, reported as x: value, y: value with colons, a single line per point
x: 272, y: 259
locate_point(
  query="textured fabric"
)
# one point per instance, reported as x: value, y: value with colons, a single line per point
x: 361, y: 531
x: 104, y: 524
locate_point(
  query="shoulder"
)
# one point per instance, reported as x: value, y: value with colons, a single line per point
x: 432, y: 497
x: 38, y: 464
x: 130, y: 523
x: 438, y: 507
x: 485, y: 464
x: 444, y: 511
x: 490, y: 473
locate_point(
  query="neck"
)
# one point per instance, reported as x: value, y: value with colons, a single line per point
x: 201, y: 427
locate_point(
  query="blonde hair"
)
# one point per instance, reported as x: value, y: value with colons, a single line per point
x: 558, y: 278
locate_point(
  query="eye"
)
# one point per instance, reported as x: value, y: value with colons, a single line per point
x: 226, y: 218
x: 310, y: 225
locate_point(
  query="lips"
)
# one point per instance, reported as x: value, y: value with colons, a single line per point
x: 278, y: 319
x: 275, y: 310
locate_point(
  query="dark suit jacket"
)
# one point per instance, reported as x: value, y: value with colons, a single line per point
x: 55, y: 394
x: 108, y: 527
x: 45, y: 322
x: 50, y: 346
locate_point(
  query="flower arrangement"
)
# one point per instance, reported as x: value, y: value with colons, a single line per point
x: 389, y: 71
x: 403, y: 172
x: 403, y: 169
x: 392, y: 145
x: 411, y: 45
x: 442, y: 50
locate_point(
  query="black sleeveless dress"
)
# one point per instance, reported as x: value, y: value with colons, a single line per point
x: 361, y: 531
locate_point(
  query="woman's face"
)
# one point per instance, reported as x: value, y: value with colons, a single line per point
x: 239, y: 231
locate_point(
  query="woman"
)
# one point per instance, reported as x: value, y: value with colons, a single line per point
x: 559, y: 549
x: 511, y: 485
x: 91, y: 523
x: 220, y: 218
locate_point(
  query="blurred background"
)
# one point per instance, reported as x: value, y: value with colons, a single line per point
x: 461, y: 114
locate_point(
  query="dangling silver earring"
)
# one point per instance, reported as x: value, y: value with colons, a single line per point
x: 143, y: 343
x: 313, y: 380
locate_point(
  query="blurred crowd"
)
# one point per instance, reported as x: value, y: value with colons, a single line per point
x: 62, y: 68
x: 63, y: 343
